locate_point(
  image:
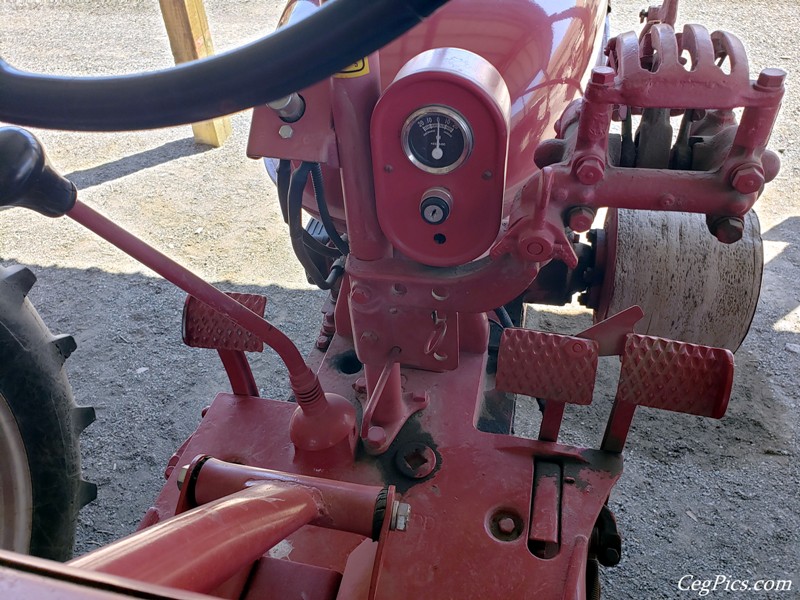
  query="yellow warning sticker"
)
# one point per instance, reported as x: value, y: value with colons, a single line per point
x: 357, y: 69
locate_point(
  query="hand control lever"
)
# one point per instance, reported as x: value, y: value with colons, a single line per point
x: 27, y: 179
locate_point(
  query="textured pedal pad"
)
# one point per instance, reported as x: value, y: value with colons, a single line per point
x: 559, y: 368
x: 675, y: 376
x: 204, y: 327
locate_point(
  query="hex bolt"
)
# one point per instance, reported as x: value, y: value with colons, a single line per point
x: 506, y: 525
x: 727, y: 230
x: 323, y: 341
x: 747, y: 179
x: 401, y: 514
x: 376, y: 436
x: 603, y: 75
x: 590, y: 170
x: 286, y: 131
x: 770, y: 79
x: 580, y: 218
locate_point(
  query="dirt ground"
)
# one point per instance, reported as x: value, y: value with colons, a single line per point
x: 698, y: 496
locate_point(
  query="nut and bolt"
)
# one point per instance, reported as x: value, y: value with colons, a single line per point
x: 747, y: 179
x: 401, y: 514
x: 286, y: 131
x: 580, y: 218
x: 590, y: 170
x: 727, y: 230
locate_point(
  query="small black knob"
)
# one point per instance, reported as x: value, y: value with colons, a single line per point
x: 27, y: 179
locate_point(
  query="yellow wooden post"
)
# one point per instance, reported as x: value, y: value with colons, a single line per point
x: 190, y: 39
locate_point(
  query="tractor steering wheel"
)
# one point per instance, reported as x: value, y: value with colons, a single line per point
x: 283, y: 62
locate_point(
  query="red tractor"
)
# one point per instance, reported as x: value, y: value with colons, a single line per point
x: 450, y: 161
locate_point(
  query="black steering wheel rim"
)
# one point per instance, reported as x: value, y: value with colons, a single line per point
x: 288, y: 60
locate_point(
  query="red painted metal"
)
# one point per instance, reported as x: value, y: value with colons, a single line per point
x: 430, y: 550
x: 204, y: 327
x: 342, y: 506
x: 612, y: 333
x: 322, y: 421
x: 676, y: 376
x: 311, y: 138
x: 193, y: 285
x: 322, y: 475
x: 586, y: 176
x: 474, y: 89
x: 31, y: 578
x: 545, y: 515
x: 352, y: 100
x: 201, y: 549
x: 275, y: 579
x: 553, y: 367
x: 237, y: 368
x: 542, y: 50
x: 668, y: 375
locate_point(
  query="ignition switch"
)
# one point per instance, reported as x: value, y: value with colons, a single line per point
x: 435, y: 206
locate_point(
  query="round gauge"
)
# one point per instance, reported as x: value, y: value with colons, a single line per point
x: 437, y: 139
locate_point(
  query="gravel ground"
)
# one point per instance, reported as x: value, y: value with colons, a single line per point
x: 698, y: 497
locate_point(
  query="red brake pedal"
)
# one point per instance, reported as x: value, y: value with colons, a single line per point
x: 204, y: 327
x: 676, y: 376
x: 558, y: 368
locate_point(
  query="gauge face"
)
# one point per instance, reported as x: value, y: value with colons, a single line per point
x: 437, y: 139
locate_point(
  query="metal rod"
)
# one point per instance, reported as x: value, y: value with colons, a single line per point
x: 202, y: 548
x: 304, y: 382
x: 348, y: 506
x: 239, y: 372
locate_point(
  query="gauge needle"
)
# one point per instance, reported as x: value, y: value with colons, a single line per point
x: 437, y: 151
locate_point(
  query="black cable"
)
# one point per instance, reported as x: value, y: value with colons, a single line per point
x: 284, y: 173
x: 324, y: 215
x: 315, y: 245
x: 297, y: 185
x: 337, y: 34
x: 503, y: 316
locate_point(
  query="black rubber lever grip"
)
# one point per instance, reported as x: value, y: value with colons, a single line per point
x: 27, y: 179
x: 338, y: 34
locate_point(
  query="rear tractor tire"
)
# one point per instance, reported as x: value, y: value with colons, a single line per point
x: 41, y: 490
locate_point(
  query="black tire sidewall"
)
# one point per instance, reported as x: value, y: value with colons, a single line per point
x: 35, y: 386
